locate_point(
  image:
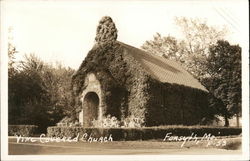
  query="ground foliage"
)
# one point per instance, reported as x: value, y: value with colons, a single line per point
x: 22, y: 130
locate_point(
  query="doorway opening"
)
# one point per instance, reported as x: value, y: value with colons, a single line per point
x: 91, y: 105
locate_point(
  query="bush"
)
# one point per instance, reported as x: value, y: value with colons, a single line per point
x: 23, y: 130
x: 106, y: 122
x: 68, y: 121
x: 112, y: 122
x: 144, y: 133
x: 133, y: 122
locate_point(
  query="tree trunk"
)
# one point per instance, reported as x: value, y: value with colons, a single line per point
x: 237, y: 120
x: 226, y: 121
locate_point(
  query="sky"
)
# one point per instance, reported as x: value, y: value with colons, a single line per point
x: 64, y: 31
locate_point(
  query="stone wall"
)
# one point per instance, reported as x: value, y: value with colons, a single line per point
x: 92, y: 86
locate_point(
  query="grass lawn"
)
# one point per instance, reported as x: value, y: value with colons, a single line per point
x: 233, y: 146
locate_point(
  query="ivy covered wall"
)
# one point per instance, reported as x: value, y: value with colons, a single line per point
x: 173, y: 104
x: 129, y: 90
x: 123, y: 80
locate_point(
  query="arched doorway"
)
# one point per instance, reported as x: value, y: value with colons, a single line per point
x: 91, y: 107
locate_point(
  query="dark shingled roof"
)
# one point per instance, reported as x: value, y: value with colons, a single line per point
x: 162, y: 69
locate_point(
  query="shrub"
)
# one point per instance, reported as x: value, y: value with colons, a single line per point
x: 106, y: 122
x: 133, y: 122
x: 144, y: 133
x: 68, y: 121
x: 113, y: 122
x: 23, y: 130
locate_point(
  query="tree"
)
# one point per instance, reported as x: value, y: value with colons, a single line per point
x: 193, y: 53
x: 166, y: 47
x: 28, y: 99
x: 224, y: 67
x: 39, y: 93
x: 26, y: 95
x: 11, y: 54
x: 57, y: 80
x: 198, y: 37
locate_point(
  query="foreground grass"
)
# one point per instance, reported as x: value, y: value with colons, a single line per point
x: 233, y: 146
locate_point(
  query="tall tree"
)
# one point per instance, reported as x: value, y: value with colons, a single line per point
x: 39, y: 93
x: 193, y: 53
x: 198, y: 36
x: 166, y: 47
x: 28, y: 99
x: 11, y: 54
x: 224, y: 66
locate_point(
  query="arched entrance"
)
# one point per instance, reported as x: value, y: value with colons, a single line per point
x: 91, y: 107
